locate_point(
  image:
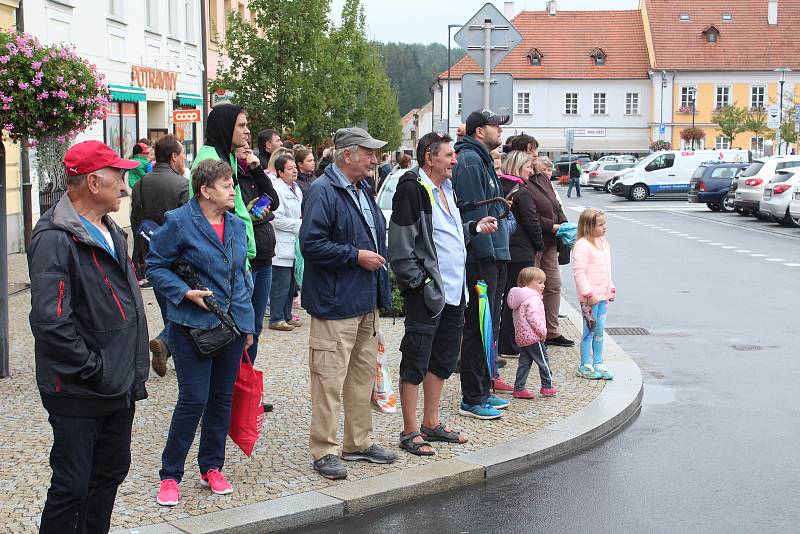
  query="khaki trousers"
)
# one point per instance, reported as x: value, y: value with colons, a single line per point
x: 547, y: 260
x: 342, y: 358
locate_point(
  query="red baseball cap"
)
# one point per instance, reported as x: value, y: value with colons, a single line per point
x: 90, y: 156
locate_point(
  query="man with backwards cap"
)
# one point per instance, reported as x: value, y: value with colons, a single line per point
x: 90, y: 332
x: 475, y: 180
x: 343, y: 241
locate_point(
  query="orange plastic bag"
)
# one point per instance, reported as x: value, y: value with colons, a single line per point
x: 384, y: 398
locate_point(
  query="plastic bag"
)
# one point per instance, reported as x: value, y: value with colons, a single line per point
x: 384, y: 398
x: 247, y: 407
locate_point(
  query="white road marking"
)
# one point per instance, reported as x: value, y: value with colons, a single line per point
x: 775, y: 259
x: 792, y: 264
x: 758, y: 255
x: 703, y: 241
x: 742, y: 250
x: 716, y: 244
x: 728, y: 247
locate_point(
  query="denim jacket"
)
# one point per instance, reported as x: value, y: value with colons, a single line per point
x: 221, y: 267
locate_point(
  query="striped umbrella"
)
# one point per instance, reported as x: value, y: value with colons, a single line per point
x: 485, y: 321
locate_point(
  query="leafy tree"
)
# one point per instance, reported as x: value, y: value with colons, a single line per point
x: 757, y: 123
x: 731, y: 120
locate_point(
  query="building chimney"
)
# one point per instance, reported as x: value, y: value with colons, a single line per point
x: 772, y: 13
x: 551, y: 8
x: 508, y: 10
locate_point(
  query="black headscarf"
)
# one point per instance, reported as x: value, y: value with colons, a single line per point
x: 219, y: 129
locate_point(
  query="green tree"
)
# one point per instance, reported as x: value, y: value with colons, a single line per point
x: 731, y: 120
x: 757, y: 123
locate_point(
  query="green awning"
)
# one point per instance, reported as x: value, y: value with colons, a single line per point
x: 189, y: 99
x: 127, y: 93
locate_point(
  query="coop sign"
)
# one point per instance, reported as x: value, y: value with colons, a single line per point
x: 150, y: 78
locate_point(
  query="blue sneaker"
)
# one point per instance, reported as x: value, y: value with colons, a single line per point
x: 602, y: 370
x: 479, y: 411
x: 497, y: 403
x: 588, y: 372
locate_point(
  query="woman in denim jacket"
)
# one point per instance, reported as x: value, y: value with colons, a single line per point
x: 213, y: 241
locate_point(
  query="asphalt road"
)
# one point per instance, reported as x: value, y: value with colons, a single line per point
x: 715, y: 448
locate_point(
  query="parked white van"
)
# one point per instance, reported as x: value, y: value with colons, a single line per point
x: 669, y: 172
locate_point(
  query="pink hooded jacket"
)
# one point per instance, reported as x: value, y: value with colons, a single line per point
x: 591, y: 266
x: 530, y: 326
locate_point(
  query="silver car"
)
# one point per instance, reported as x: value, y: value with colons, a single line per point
x: 754, y: 179
x: 600, y: 177
x: 777, y: 196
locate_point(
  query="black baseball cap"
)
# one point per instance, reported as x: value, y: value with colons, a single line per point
x: 483, y: 117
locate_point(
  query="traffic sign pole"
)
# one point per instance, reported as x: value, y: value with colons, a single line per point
x: 487, y: 63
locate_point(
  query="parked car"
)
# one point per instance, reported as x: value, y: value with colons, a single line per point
x: 562, y: 165
x: 750, y: 188
x: 794, y: 205
x: 386, y: 193
x: 620, y: 158
x: 584, y: 179
x: 777, y: 196
x: 601, y: 174
x: 711, y: 184
x: 667, y: 173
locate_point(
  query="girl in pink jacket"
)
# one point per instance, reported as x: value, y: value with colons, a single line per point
x: 530, y: 329
x: 591, y: 265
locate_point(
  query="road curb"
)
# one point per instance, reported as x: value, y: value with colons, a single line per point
x: 619, y: 402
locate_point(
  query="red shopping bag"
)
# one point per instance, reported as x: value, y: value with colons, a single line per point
x: 247, y: 407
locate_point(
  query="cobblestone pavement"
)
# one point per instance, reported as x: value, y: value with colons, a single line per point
x: 280, y: 465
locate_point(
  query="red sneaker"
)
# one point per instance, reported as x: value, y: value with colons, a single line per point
x: 214, y: 479
x: 168, y: 492
x: 524, y: 394
x: 501, y: 386
x: 548, y: 392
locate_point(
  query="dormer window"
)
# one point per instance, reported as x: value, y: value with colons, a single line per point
x: 535, y: 57
x: 684, y: 17
x: 599, y: 56
x: 711, y: 34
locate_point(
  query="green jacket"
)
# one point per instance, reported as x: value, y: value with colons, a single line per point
x: 134, y: 175
x: 239, y: 207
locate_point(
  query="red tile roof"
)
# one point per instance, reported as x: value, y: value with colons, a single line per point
x: 566, y: 41
x: 746, y: 42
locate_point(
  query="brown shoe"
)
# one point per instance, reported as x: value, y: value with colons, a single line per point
x: 281, y: 325
x: 160, y: 355
x: 295, y: 322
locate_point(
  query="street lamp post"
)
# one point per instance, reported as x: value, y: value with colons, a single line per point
x: 449, y: 41
x: 779, y: 135
x: 693, y: 102
x: 663, y: 86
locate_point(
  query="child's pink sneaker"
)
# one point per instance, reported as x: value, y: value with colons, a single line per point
x: 501, y: 386
x: 214, y: 479
x: 548, y: 392
x: 524, y: 394
x: 168, y: 492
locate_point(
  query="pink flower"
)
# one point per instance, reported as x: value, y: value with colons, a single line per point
x: 36, y: 65
x: 4, y: 59
x: 8, y: 127
x: 73, y: 81
x: 37, y: 82
x: 6, y: 107
x: 10, y: 83
x: 60, y: 79
x: 44, y: 95
x: 24, y: 85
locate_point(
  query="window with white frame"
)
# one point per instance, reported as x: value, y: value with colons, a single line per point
x: 174, y: 26
x: 188, y: 10
x: 115, y: 9
x: 458, y: 104
x: 758, y: 97
x: 723, y: 96
x: 151, y: 15
x: 599, y: 104
x: 688, y: 96
x: 757, y: 146
x: 570, y: 103
x: 631, y: 103
x: 722, y: 143
x: 523, y: 103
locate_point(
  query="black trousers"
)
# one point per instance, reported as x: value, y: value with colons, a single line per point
x: 475, y: 375
x: 507, y: 344
x: 90, y: 458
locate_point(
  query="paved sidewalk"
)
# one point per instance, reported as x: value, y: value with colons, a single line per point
x: 280, y: 465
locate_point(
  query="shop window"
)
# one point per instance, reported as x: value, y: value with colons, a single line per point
x: 186, y: 134
x: 121, y: 127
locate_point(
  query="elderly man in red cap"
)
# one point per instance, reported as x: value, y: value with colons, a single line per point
x: 90, y: 331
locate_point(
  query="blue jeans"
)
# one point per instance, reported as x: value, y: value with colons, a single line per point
x: 281, y: 294
x: 205, y: 388
x: 162, y: 304
x: 592, y: 340
x: 262, y: 281
x: 574, y: 182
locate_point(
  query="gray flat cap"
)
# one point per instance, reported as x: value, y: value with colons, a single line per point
x: 356, y: 136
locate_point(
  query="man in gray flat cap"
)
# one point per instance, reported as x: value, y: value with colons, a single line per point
x: 343, y: 241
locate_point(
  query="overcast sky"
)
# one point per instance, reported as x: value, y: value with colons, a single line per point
x: 425, y: 21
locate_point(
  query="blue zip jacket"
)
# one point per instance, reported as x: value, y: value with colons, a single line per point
x: 221, y: 267
x: 332, y: 233
x: 474, y: 179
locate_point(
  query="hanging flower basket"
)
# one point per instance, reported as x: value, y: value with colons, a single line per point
x: 692, y: 134
x: 657, y: 146
x: 47, y: 91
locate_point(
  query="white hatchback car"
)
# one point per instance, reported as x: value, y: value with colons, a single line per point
x: 750, y: 189
x: 794, y: 205
x: 777, y: 196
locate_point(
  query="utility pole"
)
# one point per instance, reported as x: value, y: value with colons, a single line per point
x: 779, y: 134
x: 449, y: 42
x: 4, y: 367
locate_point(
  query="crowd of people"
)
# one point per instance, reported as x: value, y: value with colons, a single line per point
x: 474, y: 227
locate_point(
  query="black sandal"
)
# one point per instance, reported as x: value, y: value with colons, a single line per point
x: 407, y: 443
x: 440, y: 434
